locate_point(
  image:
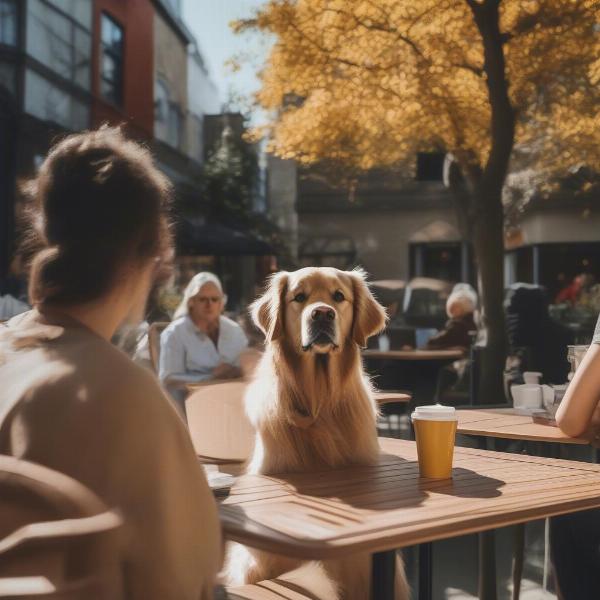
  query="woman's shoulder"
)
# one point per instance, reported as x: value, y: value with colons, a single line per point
x: 230, y: 325
x: 63, y: 365
x: 178, y: 324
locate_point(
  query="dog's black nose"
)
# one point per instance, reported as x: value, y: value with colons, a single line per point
x: 323, y: 313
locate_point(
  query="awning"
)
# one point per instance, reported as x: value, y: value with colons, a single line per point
x: 213, y: 239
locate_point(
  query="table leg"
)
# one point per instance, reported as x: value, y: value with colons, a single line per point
x: 518, y: 558
x: 426, y: 571
x: 487, y: 566
x: 383, y: 575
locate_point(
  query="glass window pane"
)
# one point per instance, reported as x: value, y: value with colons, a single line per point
x: 80, y: 10
x: 8, y: 78
x: 8, y: 22
x: 111, y: 66
x: 109, y: 91
x: 48, y: 102
x: 59, y: 43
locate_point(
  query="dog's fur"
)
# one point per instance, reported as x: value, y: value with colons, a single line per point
x: 311, y: 403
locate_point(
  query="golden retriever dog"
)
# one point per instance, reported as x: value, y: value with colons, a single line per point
x: 312, y: 405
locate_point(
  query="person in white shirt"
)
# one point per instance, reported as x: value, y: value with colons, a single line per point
x: 200, y: 344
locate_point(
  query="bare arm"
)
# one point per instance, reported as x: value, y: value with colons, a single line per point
x: 576, y: 411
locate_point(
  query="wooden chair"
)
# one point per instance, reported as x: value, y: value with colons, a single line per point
x: 271, y: 590
x: 57, y: 539
x: 220, y: 430
x: 154, y: 332
x: 299, y: 584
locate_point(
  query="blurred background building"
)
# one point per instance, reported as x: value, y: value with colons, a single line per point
x: 69, y: 65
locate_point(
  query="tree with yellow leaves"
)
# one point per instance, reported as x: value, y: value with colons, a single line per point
x: 373, y: 82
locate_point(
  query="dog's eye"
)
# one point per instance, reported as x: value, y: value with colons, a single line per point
x: 301, y: 297
x: 338, y: 296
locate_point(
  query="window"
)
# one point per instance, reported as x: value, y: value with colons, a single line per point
x: 8, y: 79
x: 48, y: 102
x: 168, y: 117
x: 111, y: 65
x: 430, y: 166
x: 59, y: 41
x: 8, y: 22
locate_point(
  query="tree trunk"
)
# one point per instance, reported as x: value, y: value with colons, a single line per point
x: 488, y: 242
x: 487, y: 210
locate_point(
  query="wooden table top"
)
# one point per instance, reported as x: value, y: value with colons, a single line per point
x: 334, y: 513
x: 506, y: 423
x: 414, y: 354
x: 390, y: 397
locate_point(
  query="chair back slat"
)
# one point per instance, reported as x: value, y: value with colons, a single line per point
x: 56, y: 536
x: 218, y: 423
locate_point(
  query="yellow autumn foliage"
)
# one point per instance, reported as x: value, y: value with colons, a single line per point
x: 371, y: 82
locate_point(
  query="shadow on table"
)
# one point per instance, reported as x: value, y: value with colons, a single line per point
x: 465, y: 484
x: 391, y: 484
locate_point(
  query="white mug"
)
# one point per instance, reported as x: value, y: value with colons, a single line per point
x: 528, y: 395
x: 532, y: 377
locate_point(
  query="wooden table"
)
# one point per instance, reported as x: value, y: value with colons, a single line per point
x: 414, y: 355
x: 383, y: 397
x: 508, y: 424
x: 325, y: 515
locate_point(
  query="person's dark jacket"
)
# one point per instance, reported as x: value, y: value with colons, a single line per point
x: 456, y: 333
x: 533, y: 335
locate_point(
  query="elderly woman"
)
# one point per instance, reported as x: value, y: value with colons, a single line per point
x: 200, y: 344
x: 460, y: 308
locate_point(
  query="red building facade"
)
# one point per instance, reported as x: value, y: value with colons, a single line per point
x: 123, y: 65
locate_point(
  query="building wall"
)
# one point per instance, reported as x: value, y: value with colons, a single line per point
x: 171, y: 68
x: 382, y: 238
x: 566, y: 225
x: 203, y: 99
x: 137, y: 19
x: 282, y: 195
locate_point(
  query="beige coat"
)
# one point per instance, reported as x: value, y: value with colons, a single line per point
x: 71, y: 401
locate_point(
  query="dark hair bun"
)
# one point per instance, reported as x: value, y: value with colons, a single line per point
x: 100, y: 203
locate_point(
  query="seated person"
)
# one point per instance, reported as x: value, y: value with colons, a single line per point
x: 200, y: 344
x: 536, y: 341
x: 575, y: 538
x: 73, y: 402
x: 458, y: 333
x: 460, y: 308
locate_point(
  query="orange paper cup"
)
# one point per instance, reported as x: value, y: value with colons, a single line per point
x: 435, y: 431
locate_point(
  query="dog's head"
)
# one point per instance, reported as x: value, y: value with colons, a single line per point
x: 319, y: 310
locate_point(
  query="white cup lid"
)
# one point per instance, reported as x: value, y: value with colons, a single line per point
x: 435, y: 412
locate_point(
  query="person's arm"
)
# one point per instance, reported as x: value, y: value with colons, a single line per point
x: 171, y: 511
x: 233, y: 368
x: 574, y: 415
x: 128, y: 445
x: 451, y: 337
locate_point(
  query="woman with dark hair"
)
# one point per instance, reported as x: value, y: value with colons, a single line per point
x: 536, y: 341
x: 72, y: 401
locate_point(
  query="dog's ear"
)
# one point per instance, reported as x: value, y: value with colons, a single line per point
x: 267, y: 311
x: 369, y: 316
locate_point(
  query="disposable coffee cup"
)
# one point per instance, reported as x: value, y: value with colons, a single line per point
x: 435, y: 432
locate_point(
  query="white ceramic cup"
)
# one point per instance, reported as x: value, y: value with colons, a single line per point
x: 528, y: 395
x: 532, y: 377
